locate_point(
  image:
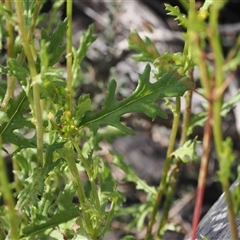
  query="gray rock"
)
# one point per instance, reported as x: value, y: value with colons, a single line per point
x: 215, y: 225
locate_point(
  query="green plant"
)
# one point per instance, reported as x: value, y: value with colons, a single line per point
x: 61, y: 187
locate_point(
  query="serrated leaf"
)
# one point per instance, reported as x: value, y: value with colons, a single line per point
x: 15, y: 114
x: 78, y: 55
x: 34, y: 186
x: 54, y: 87
x: 232, y: 64
x: 147, y: 49
x: 85, y: 42
x: 142, y: 100
x: 14, y: 69
x: 139, y: 213
x: 5, y: 70
x: 175, y: 12
x: 27, y: 11
x: 17, y: 70
x: 187, y: 152
x: 198, y: 119
x: 55, y: 45
x: 84, y: 105
x: 226, y: 159
x: 228, y: 105
x: 66, y: 211
x: 166, y: 61
x: 49, y: 163
x: 131, y: 176
x: 5, y: 17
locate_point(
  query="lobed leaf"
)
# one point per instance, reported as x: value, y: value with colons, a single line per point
x: 66, y: 211
x: 187, y: 152
x: 147, y: 49
x: 227, y: 106
x: 55, y: 47
x: 78, y: 55
x: 28, y: 6
x: 131, y: 175
x: 175, y: 12
x: 142, y: 100
x: 14, y: 69
x: 84, y: 105
x: 16, y: 121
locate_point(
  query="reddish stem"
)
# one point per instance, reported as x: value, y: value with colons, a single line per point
x: 203, y: 173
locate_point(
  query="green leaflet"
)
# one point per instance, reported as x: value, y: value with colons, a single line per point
x: 142, y: 100
x: 147, y: 49
x: 55, y: 47
x: 16, y: 121
x: 175, y: 12
x: 78, y: 55
x: 85, y: 42
x: 65, y: 211
x: 84, y: 103
x: 28, y: 9
x: 14, y: 69
x: 187, y: 152
x: 131, y: 176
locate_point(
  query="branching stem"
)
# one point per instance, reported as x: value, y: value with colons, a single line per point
x: 173, y: 178
x: 163, y: 183
x: 34, y: 77
x: 217, y: 106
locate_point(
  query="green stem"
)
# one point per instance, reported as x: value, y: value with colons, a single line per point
x: 11, y: 81
x: 34, y: 76
x: 54, y: 12
x: 175, y: 174
x: 169, y: 198
x: 80, y: 190
x: 69, y: 54
x: 109, y: 217
x: 77, y: 179
x: 219, y: 77
x: 8, y: 198
x: 10, y: 46
x: 163, y: 183
x: 217, y: 106
x: 92, y: 181
x: 187, y: 112
x: 197, y: 42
